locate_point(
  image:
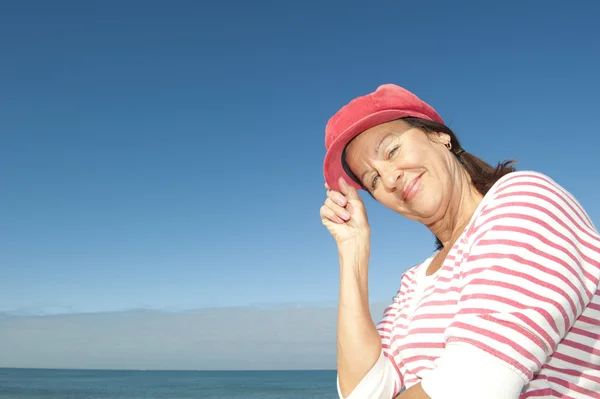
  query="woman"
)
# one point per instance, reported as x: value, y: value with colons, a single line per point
x: 507, y: 307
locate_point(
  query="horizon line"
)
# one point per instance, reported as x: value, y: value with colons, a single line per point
x: 158, y: 370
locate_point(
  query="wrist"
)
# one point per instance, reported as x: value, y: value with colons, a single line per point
x: 355, y: 254
x: 357, y: 244
x: 357, y: 249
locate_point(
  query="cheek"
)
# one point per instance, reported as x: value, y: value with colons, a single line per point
x: 434, y: 190
x: 431, y: 198
x: 414, y: 155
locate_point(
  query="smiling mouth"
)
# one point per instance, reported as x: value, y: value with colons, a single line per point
x: 411, y: 189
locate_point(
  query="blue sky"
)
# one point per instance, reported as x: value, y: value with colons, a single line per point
x: 169, y: 155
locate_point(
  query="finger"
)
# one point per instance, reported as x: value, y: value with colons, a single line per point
x: 328, y: 214
x: 340, y: 211
x: 327, y: 186
x: 348, y: 190
x: 337, y: 197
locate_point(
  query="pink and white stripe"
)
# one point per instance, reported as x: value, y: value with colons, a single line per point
x: 521, y: 285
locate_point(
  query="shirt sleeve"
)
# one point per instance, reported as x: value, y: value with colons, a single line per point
x: 530, y: 270
x: 464, y: 371
x: 379, y: 383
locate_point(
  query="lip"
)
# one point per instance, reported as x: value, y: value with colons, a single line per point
x: 411, y: 189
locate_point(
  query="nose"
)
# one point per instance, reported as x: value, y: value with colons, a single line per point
x: 390, y: 176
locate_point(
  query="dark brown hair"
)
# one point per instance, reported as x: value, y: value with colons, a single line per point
x: 483, y: 175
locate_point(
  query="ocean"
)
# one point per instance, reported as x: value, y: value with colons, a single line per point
x: 100, y: 384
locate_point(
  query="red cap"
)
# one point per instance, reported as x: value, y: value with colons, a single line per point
x: 387, y: 103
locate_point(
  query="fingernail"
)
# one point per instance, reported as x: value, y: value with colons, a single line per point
x: 342, y: 201
x: 346, y: 215
x: 343, y: 180
x: 340, y: 220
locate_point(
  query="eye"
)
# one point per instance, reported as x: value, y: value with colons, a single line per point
x: 374, y: 182
x: 392, y: 152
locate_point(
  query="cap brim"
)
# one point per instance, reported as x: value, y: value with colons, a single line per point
x: 332, y: 166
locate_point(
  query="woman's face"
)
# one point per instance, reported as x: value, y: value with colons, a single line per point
x: 405, y: 169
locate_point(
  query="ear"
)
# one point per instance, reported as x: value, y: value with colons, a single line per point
x: 442, y: 138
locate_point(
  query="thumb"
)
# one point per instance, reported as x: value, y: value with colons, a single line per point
x: 349, y: 191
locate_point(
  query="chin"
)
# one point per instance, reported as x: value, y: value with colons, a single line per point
x: 422, y: 210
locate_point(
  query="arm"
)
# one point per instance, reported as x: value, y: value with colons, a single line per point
x: 358, y: 342
x: 363, y: 369
x: 414, y: 392
x: 379, y: 377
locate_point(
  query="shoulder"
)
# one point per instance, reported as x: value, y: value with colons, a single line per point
x: 530, y: 202
x: 529, y: 193
x: 524, y: 183
x: 410, y: 277
x: 418, y: 270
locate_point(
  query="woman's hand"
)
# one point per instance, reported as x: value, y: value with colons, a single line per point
x: 345, y: 216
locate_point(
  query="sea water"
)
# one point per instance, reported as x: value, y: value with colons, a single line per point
x: 101, y: 384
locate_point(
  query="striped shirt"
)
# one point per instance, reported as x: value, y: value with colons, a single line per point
x: 514, y: 311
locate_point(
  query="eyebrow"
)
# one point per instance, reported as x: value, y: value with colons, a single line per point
x: 381, y: 142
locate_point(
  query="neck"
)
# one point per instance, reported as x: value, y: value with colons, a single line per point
x: 465, y: 201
